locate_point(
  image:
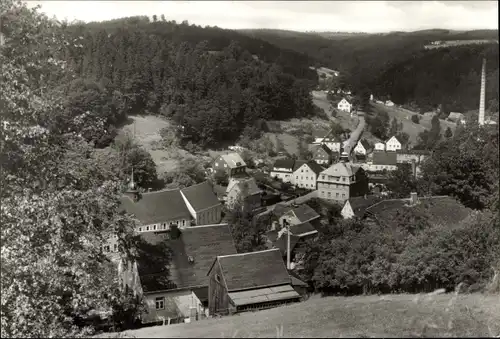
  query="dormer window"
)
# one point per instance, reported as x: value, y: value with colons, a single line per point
x: 217, y: 278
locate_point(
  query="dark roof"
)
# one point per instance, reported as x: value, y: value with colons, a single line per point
x: 280, y: 209
x: 284, y: 163
x: 296, y: 281
x: 298, y: 163
x: 201, y: 196
x: 157, y: 207
x: 365, y: 144
x: 385, y: 158
x: 304, y: 213
x: 315, y: 167
x: 441, y: 210
x: 301, y: 229
x: 324, y: 148
x: 201, y: 293
x: 360, y: 204
x: 254, y: 270
x: 272, y: 235
x: 202, y: 243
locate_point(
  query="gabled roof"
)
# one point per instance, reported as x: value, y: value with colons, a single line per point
x: 304, y: 213
x: 202, y: 243
x: 200, y: 196
x: 253, y: 270
x: 341, y: 169
x: 241, y: 183
x: 281, y: 244
x: 360, y: 204
x: 344, y: 99
x: 233, y: 160
x: 301, y: 230
x: 284, y: 163
x: 157, y: 207
x: 315, y: 167
x: 298, y: 164
x: 385, y: 158
x: 324, y: 148
x: 365, y: 144
x: 441, y: 210
x: 391, y: 138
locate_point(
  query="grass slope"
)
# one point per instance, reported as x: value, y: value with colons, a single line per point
x: 361, y: 316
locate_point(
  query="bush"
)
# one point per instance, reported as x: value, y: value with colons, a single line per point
x: 415, y: 119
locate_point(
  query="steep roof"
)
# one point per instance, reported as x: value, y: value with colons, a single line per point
x: 324, y: 148
x: 441, y: 210
x: 202, y: 243
x: 253, y: 270
x: 284, y: 163
x: 298, y: 164
x: 250, y: 183
x: 395, y: 138
x: 281, y: 243
x: 365, y: 144
x: 304, y: 213
x: 360, y: 204
x: 200, y: 196
x: 157, y: 207
x: 341, y: 169
x: 385, y: 158
x: 233, y: 160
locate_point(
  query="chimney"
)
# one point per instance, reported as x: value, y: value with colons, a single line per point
x: 483, y: 94
x: 413, y: 198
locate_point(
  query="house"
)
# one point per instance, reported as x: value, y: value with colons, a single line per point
x: 456, y: 117
x: 245, y: 189
x: 156, y: 211
x: 180, y: 291
x: 306, y: 174
x: 371, y: 97
x: 302, y: 230
x: 380, y: 146
x: 283, y: 169
x: 231, y: 163
x: 298, y: 214
x: 383, y: 160
x: 323, y: 155
x: 389, y: 103
x: 407, y: 156
x: 393, y: 144
x: 327, y: 138
x: 344, y: 105
x: 249, y: 281
x: 342, y: 181
x: 202, y: 203
x: 362, y: 147
x: 355, y: 207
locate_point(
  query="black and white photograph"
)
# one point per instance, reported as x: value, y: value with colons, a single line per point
x: 249, y: 169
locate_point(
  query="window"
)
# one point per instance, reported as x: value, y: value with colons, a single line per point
x: 140, y: 229
x: 147, y: 228
x: 160, y: 303
x: 301, y: 171
x: 106, y: 248
x: 183, y: 222
x: 337, y: 194
x: 322, y: 177
x: 343, y: 178
x: 330, y: 194
x: 296, y: 177
x: 115, y: 247
x: 154, y: 227
x: 216, y: 164
x: 343, y: 195
x: 164, y: 226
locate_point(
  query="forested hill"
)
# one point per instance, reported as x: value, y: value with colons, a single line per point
x: 210, y: 81
x: 362, y: 57
x: 449, y: 77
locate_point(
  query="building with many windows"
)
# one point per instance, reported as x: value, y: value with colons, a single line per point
x: 342, y: 181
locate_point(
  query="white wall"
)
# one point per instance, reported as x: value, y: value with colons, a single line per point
x: 379, y: 146
x: 181, y: 300
x: 182, y: 223
x: 304, y: 177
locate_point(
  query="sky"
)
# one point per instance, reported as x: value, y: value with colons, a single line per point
x: 334, y: 16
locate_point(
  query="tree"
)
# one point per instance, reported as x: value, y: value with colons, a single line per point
x: 415, y: 119
x: 54, y: 218
x: 221, y: 177
x: 429, y: 139
x: 448, y: 133
x: 248, y: 234
x: 401, y: 182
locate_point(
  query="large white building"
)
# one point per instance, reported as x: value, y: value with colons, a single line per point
x: 379, y: 146
x: 393, y: 144
x: 306, y: 175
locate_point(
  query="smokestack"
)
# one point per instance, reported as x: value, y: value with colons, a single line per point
x: 483, y: 93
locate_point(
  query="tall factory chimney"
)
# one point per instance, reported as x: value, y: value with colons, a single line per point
x: 483, y: 93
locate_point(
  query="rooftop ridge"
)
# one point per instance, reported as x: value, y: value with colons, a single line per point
x: 211, y: 225
x: 247, y: 253
x: 161, y: 191
x: 201, y: 183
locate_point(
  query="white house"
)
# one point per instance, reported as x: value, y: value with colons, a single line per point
x: 305, y: 176
x: 392, y: 144
x: 389, y: 103
x: 380, y: 146
x: 344, y: 105
x: 325, y: 137
x: 361, y: 147
x: 283, y: 169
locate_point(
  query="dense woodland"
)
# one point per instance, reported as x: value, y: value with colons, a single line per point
x: 212, y: 83
x: 396, y: 66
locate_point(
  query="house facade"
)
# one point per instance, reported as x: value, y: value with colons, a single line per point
x: 283, y: 169
x: 180, y: 293
x: 202, y: 203
x: 362, y: 147
x: 231, y: 163
x: 393, y: 144
x: 306, y: 174
x: 342, y: 181
x: 344, y: 106
x: 249, y: 281
x: 380, y: 146
x: 300, y: 214
x: 325, y: 137
x: 355, y: 207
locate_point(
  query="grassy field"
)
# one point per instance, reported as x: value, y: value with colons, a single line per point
x: 363, y: 316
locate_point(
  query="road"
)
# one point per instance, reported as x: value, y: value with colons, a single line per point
x: 355, y: 135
